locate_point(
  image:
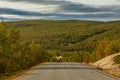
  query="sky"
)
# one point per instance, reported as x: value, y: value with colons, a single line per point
x: 97, y: 10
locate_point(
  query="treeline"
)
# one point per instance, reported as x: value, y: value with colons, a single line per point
x: 16, y: 55
x: 103, y: 49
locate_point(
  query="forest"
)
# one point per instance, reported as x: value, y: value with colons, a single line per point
x: 26, y: 43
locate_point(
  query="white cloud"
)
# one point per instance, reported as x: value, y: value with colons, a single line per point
x: 16, y: 17
x: 29, y: 7
x: 82, y: 13
x: 97, y: 2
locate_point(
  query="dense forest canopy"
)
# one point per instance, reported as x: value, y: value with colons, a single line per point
x: 71, y: 35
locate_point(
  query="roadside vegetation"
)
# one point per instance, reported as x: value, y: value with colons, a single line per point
x: 16, y: 55
x: 117, y: 59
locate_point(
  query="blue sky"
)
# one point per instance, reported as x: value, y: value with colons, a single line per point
x: 97, y: 10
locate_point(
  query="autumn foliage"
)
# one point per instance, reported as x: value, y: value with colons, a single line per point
x: 16, y: 55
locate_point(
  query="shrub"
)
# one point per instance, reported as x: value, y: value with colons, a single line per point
x: 117, y: 59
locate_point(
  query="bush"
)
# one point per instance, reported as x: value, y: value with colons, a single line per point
x: 117, y: 59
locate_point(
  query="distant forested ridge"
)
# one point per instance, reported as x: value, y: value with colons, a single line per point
x: 78, y: 41
x: 70, y: 35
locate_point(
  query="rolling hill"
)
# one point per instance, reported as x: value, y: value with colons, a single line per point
x: 88, y: 38
x: 69, y: 35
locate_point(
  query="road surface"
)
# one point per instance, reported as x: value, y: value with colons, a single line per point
x: 63, y: 71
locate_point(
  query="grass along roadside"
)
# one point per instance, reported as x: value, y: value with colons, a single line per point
x: 19, y: 73
x: 105, y: 72
x: 108, y: 72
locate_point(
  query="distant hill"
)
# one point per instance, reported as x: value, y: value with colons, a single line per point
x: 92, y: 39
x: 68, y: 35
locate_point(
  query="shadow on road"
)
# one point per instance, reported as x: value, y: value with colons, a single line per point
x: 59, y: 63
x: 58, y: 66
x: 51, y: 68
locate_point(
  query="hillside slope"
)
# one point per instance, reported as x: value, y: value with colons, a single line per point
x: 109, y: 65
x: 107, y: 62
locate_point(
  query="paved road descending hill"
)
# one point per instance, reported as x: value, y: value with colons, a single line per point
x: 63, y: 71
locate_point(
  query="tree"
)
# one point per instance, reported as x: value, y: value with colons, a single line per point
x: 112, y: 48
x: 100, y: 49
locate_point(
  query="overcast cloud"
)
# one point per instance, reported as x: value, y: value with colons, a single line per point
x: 103, y: 10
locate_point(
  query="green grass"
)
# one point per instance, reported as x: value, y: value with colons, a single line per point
x: 7, y: 75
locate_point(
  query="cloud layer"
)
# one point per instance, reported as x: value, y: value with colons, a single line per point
x: 58, y: 10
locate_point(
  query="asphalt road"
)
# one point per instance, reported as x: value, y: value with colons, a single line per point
x: 63, y: 71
